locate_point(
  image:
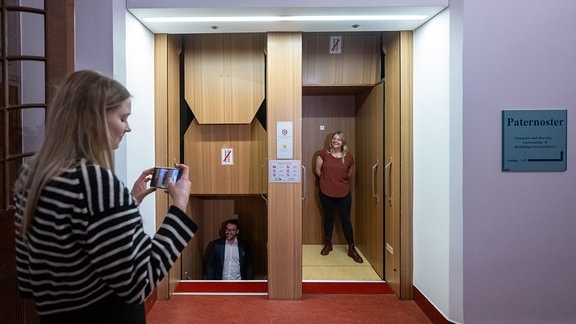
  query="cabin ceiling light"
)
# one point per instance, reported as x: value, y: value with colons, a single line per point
x: 285, y: 18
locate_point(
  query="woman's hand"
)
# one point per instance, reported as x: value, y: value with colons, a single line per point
x: 141, y: 188
x: 180, y: 191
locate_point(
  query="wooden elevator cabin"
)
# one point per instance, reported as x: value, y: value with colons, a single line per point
x: 228, y: 91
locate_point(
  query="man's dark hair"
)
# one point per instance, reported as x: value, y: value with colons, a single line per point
x: 233, y: 221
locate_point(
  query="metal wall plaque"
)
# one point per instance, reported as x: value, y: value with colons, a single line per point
x: 534, y: 140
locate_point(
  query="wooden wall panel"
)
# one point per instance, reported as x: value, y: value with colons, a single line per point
x: 369, y: 178
x: 161, y: 138
x: 203, y: 146
x: 358, y: 64
x: 224, y: 76
x: 216, y: 211
x: 173, y: 133
x: 406, y: 160
x: 334, y: 112
x: 253, y: 216
x: 398, y: 151
x: 59, y: 43
x: 284, y: 103
x: 392, y: 159
x: 167, y: 139
x: 192, y: 263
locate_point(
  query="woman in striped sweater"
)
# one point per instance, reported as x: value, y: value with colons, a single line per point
x: 81, y: 252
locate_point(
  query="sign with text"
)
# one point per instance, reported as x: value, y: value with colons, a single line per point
x: 284, y: 170
x: 534, y: 140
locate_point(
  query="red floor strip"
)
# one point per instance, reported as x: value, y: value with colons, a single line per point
x: 378, y: 287
x: 222, y: 287
x: 346, y: 288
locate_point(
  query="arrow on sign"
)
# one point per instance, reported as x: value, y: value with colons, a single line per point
x: 549, y: 160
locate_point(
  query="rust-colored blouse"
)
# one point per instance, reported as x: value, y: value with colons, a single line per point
x: 334, y: 181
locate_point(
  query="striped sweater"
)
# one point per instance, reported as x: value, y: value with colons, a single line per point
x: 87, y: 242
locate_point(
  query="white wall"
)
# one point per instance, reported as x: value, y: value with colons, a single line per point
x: 435, y: 171
x: 140, y: 82
x: 456, y: 165
x: 510, y: 239
x: 519, y: 227
x: 110, y: 41
x: 93, y: 36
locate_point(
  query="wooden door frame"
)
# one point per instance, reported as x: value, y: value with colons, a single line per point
x: 59, y: 61
x: 167, y: 49
x: 406, y: 162
x: 398, y: 152
x: 284, y: 103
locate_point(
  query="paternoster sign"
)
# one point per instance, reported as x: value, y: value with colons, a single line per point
x: 534, y: 140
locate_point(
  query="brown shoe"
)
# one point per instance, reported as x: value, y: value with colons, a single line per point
x: 327, y: 247
x: 354, y: 255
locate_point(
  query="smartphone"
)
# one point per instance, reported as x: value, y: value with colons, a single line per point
x: 161, y: 176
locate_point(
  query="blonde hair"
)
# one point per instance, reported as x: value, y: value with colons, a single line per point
x: 76, y: 128
x: 344, y: 144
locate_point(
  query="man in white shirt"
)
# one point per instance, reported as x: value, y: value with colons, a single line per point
x: 229, y: 257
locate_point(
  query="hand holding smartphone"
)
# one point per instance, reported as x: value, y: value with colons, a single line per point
x: 162, y: 175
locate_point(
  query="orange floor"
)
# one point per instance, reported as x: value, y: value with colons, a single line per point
x: 313, y: 308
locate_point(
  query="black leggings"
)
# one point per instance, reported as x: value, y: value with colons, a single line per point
x: 344, y: 206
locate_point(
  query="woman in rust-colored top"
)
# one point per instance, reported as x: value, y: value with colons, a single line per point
x: 334, y: 167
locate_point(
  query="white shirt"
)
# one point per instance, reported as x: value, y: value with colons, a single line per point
x: 231, y: 269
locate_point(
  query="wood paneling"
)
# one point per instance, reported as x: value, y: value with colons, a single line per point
x: 167, y: 140
x: 392, y: 161
x: 253, y: 216
x: 284, y: 103
x: 192, y: 263
x: 334, y: 113
x: 406, y: 158
x: 335, y: 90
x: 224, y: 76
x: 59, y: 43
x: 369, y: 178
x: 203, y: 145
x: 358, y: 64
x: 398, y: 155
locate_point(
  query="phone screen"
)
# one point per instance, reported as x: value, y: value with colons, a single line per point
x: 162, y: 175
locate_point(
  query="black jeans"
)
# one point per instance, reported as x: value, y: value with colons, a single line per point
x: 344, y: 206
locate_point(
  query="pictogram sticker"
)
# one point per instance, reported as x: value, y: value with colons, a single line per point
x: 227, y: 156
x: 335, y: 45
